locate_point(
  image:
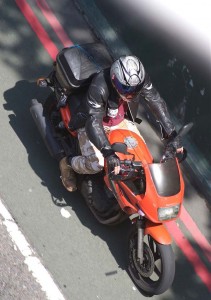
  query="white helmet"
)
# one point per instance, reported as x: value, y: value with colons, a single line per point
x: 127, y: 75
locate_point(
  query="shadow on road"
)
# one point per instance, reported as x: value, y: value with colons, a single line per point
x: 186, y: 284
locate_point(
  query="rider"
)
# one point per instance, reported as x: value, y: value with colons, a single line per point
x: 104, y: 109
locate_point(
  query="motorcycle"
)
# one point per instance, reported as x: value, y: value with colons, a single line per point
x: 148, y: 193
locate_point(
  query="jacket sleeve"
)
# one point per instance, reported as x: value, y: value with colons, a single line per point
x: 97, y: 96
x: 158, y: 107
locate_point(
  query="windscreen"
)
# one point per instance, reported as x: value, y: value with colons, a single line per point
x: 166, y: 178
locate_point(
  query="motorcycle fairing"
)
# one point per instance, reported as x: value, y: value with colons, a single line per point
x: 150, y: 201
x: 140, y: 151
x: 158, y: 232
x: 166, y: 177
x: 66, y: 117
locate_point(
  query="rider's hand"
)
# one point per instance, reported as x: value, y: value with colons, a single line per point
x: 169, y: 153
x: 173, y: 146
x: 112, y: 159
x: 113, y: 164
x: 176, y: 143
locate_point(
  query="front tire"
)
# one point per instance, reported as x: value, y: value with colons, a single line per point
x: 156, y: 274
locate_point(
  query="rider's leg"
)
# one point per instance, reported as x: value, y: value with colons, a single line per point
x: 67, y: 175
x: 91, y: 160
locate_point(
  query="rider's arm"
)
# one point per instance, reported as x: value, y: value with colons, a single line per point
x: 158, y: 107
x: 97, y: 96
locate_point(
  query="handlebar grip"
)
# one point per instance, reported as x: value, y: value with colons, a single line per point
x: 126, y: 162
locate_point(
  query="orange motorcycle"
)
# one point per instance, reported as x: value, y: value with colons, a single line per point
x: 148, y: 193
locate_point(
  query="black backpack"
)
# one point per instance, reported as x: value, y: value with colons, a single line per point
x: 75, y: 66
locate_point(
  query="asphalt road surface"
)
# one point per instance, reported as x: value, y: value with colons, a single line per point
x: 84, y: 259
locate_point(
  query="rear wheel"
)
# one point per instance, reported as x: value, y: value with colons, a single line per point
x: 156, y: 274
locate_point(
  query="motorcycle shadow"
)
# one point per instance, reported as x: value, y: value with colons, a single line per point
x: 114, y: 236
x: 18, y: 100
x: 186, y: 284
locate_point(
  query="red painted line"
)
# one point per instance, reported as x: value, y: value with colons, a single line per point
x: 190, y: 254
x: 54, y: 22
x: 37, y: 28
x: 196, y: 233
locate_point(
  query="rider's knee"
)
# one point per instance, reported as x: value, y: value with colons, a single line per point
x: 94, y: 163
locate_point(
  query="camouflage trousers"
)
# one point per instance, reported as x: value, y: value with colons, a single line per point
x: 92, y: 161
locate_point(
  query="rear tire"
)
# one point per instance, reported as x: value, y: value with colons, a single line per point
x: 156, y: 274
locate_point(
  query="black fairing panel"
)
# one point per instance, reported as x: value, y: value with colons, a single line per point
x: 166, y: 178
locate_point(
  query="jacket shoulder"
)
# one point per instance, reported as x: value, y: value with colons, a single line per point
x: 99, y: 90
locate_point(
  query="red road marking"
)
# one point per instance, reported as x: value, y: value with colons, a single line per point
x: 190, y: 254
x: 179, y: 238
x: 54, y: 22
x: 196, y: 233
x: 37, y: 28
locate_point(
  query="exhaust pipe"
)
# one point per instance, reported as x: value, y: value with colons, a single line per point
x: 43, y: 124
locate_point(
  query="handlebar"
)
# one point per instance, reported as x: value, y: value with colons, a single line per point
x: 171, y: 154
x: 128, y: 170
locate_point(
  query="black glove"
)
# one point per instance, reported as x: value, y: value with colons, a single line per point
x: 111, y: 158
x: 113, y: 162
x: 174, y: 142
x: 169, y: 153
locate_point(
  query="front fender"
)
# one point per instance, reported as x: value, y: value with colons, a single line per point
x: 158, y: 232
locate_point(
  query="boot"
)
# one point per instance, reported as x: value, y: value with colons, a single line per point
x: 67, y: 175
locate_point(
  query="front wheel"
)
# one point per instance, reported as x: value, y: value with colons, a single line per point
x: 156, y: 274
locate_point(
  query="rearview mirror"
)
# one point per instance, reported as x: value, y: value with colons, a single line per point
x: 119, y: 147
x: 185, y: 129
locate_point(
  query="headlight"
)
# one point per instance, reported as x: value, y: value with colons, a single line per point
x: 168, y: 213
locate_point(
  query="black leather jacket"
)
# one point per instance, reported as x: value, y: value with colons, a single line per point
x: 101, y: 95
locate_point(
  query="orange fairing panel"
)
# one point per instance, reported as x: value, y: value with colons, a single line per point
x: 139, y: 148
x: 151, y: 200
x: 66, y: 116
x: 123, y: 202
x: 158, y: 232
x: 65, y: 112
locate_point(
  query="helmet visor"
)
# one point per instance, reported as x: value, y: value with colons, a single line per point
x: 127, y: 91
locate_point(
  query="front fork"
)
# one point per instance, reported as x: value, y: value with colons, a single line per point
x: 140, y: 229
x: 158, y: 232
